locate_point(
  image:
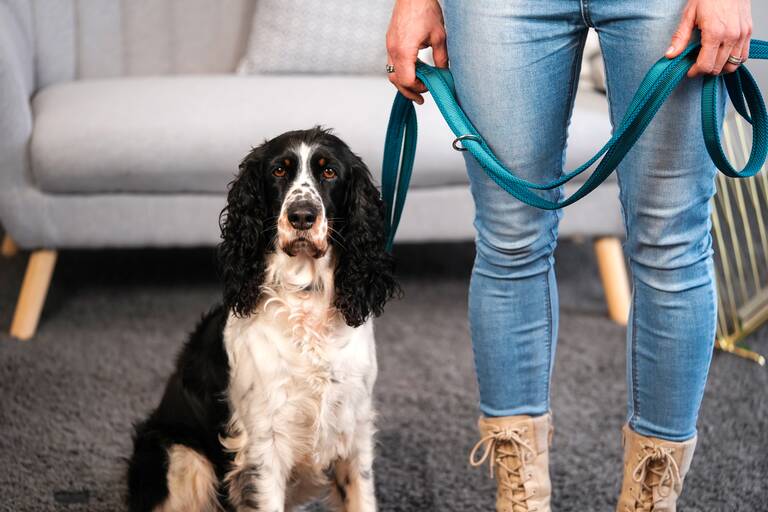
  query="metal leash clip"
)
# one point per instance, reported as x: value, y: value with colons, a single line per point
x: 456, y: 141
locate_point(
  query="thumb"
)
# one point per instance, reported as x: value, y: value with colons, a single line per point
x: 439, y: 50
x: 682, y: 34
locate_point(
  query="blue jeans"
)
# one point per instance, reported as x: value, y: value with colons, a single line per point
x: 533, y: 50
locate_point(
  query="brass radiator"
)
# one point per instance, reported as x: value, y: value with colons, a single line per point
x: 739, y: 221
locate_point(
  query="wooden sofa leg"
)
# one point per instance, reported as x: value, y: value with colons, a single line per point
x: 33, y: 291
x: 8, y: 249
x: 613, y: 273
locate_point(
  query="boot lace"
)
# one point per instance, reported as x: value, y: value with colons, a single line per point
x: 507, y: 450
x: 656, y: 470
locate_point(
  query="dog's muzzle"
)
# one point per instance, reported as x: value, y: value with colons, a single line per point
x: 302, y: 229
x: 302, y: 215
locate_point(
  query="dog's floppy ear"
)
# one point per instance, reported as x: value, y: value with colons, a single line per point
x: 364, y: 273
x: 242, y: 250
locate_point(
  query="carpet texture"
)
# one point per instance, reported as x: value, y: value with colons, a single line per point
x: 115, y: 319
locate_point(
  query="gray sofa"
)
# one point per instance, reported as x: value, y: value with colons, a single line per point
x: 122, y: 121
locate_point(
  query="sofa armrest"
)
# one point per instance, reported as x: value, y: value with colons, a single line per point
x: 17, y: 83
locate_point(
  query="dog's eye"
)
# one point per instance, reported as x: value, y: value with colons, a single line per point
x: 329, y: 173
x: 278, y: 172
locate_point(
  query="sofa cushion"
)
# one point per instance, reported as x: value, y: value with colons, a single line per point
x: 188, y: 133
x: 86, y: 39
x: 333, y: 36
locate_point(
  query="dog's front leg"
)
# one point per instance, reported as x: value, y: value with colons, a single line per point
x: 260, y: 484
x: 273, y: 474
x: 353, y: 486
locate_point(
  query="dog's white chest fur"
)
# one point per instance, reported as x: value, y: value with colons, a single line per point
x: 312, y: 396
x: 300, y: 378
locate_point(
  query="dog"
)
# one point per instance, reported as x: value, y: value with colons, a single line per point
x: 270, y: 404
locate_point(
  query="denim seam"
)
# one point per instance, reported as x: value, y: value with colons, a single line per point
x: 612, y: 113
x: 471, y: 337
x: 584, y: 8
x: 559, y: 194
x: 633, y: 361
x: 713, y: 302
x: 550, y: 331
x: 575, y: 71
x: 611, y: 110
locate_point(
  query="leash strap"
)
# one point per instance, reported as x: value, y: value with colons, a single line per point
x: 658, y: 84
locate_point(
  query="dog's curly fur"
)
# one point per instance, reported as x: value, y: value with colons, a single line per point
x: 362, y: 260
x: 270, y: 403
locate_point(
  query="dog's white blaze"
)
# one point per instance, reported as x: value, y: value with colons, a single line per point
x: 300, y: 384
x: 305, y: 170
x: 304, y: 183
x: 304, y: 179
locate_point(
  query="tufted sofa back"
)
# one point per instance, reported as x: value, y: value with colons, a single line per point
x: 74, y: 39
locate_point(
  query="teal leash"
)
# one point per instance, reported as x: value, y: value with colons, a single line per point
x: 658, y: 84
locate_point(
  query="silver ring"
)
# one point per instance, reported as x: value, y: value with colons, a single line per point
x: 390, y: 68
x: 735, y: 60
x: 456, y: 141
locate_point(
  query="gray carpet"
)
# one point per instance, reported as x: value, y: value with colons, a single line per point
x: 114, y: 321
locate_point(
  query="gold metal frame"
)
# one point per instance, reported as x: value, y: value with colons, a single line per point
x: 741, y: 247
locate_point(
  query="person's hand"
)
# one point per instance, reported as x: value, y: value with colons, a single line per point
x: 726, y: 27
x: 415, y: 24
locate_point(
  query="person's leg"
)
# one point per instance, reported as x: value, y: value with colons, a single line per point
x: 666, y: 182
x: 515, y: 65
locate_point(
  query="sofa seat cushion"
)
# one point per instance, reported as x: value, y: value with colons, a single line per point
x: 187, y: 134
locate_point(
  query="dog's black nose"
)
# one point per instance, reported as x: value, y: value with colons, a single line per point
x: 302, y: 215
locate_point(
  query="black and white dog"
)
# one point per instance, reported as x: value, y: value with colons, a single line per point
x: 270, y: 403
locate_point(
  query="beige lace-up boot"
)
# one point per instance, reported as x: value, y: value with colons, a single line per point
x: 517, y: 451
x: 654, y: 470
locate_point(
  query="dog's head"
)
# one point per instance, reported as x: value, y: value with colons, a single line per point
x: 303, y: 193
